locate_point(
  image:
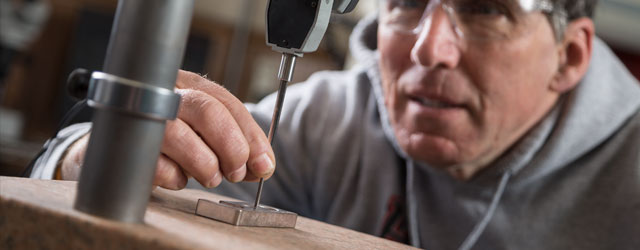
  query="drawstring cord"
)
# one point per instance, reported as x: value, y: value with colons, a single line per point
x: 414, y: 236
x: 472, y: 238
x: 479, y: 228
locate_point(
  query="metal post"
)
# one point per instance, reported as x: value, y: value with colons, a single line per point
x: 146, y: 46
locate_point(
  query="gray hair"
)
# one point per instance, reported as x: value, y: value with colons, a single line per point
x: 565, y: 11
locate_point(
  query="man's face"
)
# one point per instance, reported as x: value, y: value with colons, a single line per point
x: 457, y: 101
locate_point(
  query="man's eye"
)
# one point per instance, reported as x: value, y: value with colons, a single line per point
x: 409, y: 4
x: 486, y: 8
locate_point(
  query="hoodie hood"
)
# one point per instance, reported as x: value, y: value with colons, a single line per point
x: 605, y: 100
x: 363, y: 45
x: 581, y: 120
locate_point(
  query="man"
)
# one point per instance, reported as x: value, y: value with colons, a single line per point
x: 486, y: 124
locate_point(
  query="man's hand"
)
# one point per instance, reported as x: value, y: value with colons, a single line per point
x: 213, y: 136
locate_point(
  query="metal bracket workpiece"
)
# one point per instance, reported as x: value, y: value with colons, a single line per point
x: 240, y: 213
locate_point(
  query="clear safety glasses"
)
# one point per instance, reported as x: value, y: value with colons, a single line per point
x: 470, y: 19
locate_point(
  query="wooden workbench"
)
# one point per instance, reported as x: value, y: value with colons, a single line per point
x: 39, y: 214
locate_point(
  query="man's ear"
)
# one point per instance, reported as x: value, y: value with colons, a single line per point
x: 574, y: 54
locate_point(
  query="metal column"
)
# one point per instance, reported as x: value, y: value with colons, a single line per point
x: 146, y: 46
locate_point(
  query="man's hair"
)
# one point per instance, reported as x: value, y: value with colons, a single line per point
x: 565, y: 11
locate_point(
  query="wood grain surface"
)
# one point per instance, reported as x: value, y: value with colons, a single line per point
x: 39, y: 214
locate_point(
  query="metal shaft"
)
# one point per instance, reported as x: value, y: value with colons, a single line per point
x: 146, y: 45
x: 285, y: 74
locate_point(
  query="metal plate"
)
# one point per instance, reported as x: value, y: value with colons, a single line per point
x: 243, y: 214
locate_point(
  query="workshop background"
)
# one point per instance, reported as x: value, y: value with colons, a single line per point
x: 42, y: 41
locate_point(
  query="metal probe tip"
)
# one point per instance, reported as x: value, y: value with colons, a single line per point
x: 285, y: 74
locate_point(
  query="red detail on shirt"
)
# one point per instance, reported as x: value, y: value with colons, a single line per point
x: 394, y: 226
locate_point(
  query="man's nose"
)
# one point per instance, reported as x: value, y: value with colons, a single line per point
x: 437, y: 43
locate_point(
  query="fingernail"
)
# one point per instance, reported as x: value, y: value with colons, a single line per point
x: 239, y: 174
x: 215, y: 181
x: 262, y: 165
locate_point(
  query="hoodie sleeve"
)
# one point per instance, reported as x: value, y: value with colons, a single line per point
x: 45, y: 165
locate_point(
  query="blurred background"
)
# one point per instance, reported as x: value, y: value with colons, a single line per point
x: 42, y: 41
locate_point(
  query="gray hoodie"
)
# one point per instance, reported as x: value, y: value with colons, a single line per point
x: 572, y: 182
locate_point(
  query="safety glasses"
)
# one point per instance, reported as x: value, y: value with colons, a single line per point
x: 470, y: 19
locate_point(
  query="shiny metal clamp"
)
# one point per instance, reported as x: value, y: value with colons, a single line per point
x: 110, y: 91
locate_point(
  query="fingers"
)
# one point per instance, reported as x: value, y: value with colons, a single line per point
x: 168, y: 174
x: 218, y: 129
x: 260, y: 159
x: 187, y: 149
x: 251, y: 177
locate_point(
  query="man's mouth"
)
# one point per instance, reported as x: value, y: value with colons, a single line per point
x: 431, y: 103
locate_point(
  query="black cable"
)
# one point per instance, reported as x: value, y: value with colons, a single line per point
x: 63, y: 123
